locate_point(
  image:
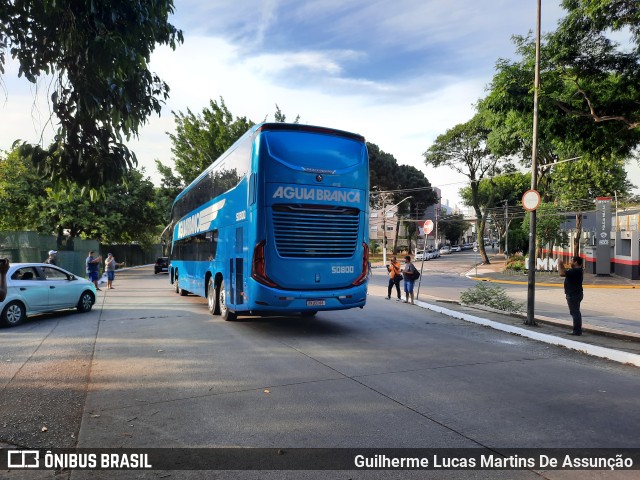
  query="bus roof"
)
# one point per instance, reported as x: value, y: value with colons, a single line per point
x: 276, y: 126
x: 307, y: 128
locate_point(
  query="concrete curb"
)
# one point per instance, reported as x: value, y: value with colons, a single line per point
x: 594, y: 350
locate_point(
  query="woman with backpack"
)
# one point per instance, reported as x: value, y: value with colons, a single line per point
x: 411, y: 274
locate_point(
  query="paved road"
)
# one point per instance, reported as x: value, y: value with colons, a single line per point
x: 148, y: 368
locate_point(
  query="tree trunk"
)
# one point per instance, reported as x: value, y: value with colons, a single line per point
x: 395, y: 240
x: 481, y: 226
x: 576, y: 240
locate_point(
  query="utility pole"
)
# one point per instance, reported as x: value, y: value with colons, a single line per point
x: 531, y: 284
x: 384, y: 223
x: 384, y: 231
x: 506, y: 228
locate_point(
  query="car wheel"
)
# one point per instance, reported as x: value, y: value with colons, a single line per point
x: 86, y: 301
x: 212, y: 298
x: 225, y: 313
x: 13, y: 314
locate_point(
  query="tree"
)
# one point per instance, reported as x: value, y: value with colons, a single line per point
x: 577, y: 184
x: 495, y: 193
x: 199, y: 140
x: 464, y: 149
x: 452, y: 227
x: 129, y: 213
x: 98, y: 54
x: 390, y: 183
x: 600, y: 76
x: 282, y: 118
x: 548, y: 227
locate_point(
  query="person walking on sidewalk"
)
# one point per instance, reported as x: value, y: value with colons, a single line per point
x: 394, y: 277
x: 573, y: 291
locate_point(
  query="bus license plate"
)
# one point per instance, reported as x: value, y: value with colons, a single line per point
x: 316, y: 303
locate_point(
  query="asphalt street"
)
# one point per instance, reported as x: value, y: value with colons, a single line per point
x: 149, y: 368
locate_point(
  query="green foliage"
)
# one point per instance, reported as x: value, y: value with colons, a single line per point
x: 464, y: 148
x: 98, y: 54
x: 199, y: 140
x: 374, y: 247
x: 452, y: 227
x: 516, y: 263
x: 548, y: 225
x: 491, y: 296
x: 282, y: 118
x: 129, y: 211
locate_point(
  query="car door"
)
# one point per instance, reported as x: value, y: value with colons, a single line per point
x: 30, y: 287
x: 63, y: 293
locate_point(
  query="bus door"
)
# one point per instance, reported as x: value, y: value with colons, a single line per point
x: 237, y: 269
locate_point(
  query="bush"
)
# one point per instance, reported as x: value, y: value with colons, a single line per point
x: 491, y: 296
x: 516, y: 263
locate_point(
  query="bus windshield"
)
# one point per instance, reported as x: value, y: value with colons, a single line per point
x: 314, y: 151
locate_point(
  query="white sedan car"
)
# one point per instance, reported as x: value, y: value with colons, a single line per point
x: 37, y: 287
x: 420, y: 255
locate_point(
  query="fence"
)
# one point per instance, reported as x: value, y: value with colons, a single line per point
x: 34, y: 247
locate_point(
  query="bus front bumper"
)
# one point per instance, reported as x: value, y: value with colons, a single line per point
x: 277, y: 300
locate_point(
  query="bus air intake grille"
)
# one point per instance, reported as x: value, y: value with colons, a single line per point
x: 315, y: 232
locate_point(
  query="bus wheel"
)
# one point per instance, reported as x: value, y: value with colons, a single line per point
x: 175, y: 285
x: 181, y: 291
x: 225, y: 313
x: 212, y: 298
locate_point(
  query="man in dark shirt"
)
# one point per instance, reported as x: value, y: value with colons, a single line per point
x: 573, y: 291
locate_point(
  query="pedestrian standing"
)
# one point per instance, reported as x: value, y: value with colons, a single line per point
x: 4, y: 268
x: 93, y: 268
x: 573, y: 291
x: 110, y: 265
x: 51, y: 259
x: 410, y: 274
x: 394, y: 277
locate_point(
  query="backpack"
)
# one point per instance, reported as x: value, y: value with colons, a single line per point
x: 416, y: 274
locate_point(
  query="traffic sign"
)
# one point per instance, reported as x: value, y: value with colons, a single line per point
x: 530, y: 200
x: 475, y: 249
x: 428, y: 227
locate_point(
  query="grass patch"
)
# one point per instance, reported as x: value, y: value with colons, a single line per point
x: 492, y: 296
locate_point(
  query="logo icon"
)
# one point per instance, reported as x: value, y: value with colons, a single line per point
x: 23, y: 459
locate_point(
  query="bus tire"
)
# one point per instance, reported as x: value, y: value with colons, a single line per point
x: 212, y: 298
x: 225, y: 313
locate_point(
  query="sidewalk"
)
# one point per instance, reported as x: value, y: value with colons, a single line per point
x: 614, y: 344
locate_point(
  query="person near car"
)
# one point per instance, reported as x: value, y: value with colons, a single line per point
x: 4, y: 268
x: 394, y: 277
x: 573, y: 291
x: 410, y: 272
x: 110, y: 265
x: 93, y: 268
x: 51, y: 259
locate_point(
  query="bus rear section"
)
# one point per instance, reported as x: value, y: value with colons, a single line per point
x: 310, y: 241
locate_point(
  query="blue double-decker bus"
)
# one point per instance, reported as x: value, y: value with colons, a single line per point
x: 277, y: 224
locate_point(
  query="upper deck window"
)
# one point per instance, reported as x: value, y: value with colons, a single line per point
x: 314, y: 150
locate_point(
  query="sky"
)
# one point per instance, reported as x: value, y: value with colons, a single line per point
x: 399, y: 72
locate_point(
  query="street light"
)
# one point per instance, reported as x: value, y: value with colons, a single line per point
x: 384, y: 227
